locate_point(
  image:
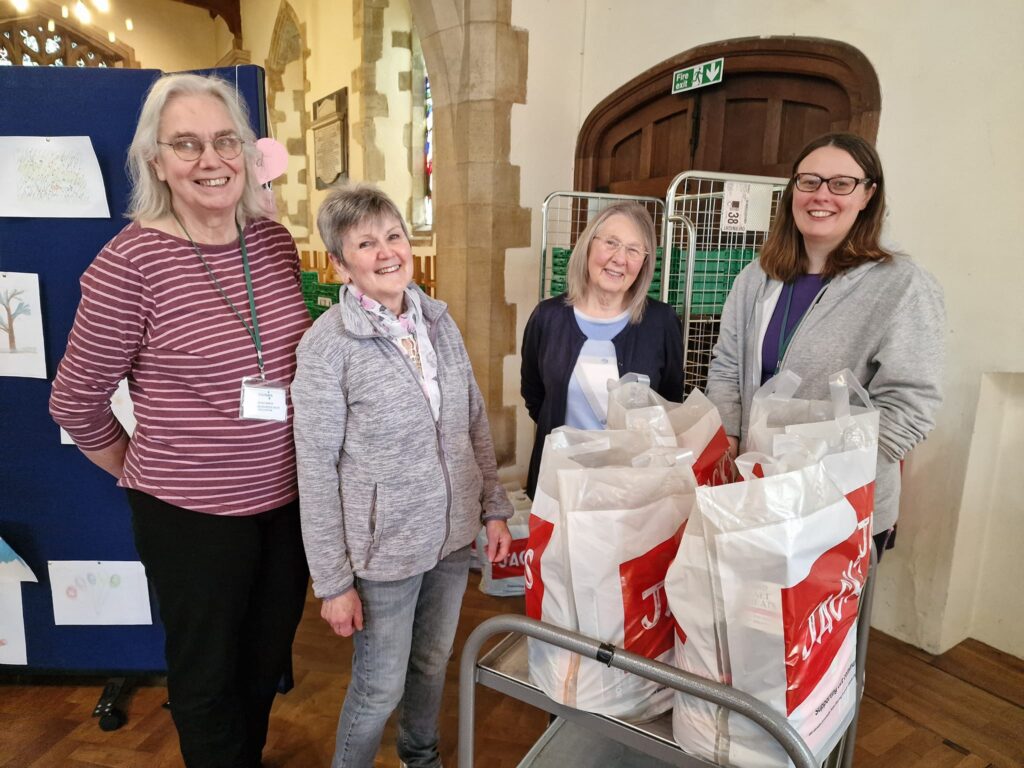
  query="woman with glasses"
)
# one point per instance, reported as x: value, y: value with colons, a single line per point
x: 198, y: 303
x: 826, y: 295
x: 602, y: 327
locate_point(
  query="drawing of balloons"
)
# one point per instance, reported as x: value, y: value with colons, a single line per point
x: 92, y: 578
x: 115, y: 580
x: 71, y: 592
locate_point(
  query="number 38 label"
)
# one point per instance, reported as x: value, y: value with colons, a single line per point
x: 734, y: 207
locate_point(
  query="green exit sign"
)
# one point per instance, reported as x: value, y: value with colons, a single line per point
x: 697, y: 76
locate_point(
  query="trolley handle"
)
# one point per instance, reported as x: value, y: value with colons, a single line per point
x: 663, y: 674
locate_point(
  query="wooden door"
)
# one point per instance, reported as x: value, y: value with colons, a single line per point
x: 774, y: 97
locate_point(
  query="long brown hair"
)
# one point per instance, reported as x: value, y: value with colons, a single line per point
x: 784, y: 257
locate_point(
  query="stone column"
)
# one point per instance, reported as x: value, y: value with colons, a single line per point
x: 477, y: 67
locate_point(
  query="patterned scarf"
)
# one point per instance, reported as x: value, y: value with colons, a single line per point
x: 408, y: 332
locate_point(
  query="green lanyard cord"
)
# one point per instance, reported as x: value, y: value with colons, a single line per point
x: 254, y: 331
x: 785, y: 338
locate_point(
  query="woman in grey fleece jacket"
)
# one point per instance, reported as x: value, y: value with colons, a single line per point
x: 825, y: 296
x: 396, y: 476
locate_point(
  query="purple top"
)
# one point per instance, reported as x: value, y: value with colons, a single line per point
x: 797, y: 297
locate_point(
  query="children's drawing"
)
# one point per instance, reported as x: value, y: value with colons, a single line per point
x: 103, y: 593
x: 54, y: 175
x: 12, y: 625
x: 51, y: 177
x: 12, y: 567
x: 21, y: 326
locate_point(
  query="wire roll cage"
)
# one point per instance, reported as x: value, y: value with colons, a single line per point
x: 702, y: 256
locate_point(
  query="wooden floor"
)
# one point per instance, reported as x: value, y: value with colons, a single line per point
x: 963, y: 709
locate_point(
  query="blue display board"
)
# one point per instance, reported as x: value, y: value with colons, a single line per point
x: 54, y: 504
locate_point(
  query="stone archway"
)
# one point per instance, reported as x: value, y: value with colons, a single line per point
x: 286, y: 100
x: 477, y: 66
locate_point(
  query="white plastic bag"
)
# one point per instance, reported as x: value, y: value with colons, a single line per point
x: 785, y: 557
x: 505, y: 579
x: 604, y: 500
x: 623, y: 526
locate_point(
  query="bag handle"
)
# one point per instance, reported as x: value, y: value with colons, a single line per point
x: 780, y: 387
x: 840, y: 385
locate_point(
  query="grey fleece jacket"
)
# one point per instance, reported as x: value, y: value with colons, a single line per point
x: 884, y: 321
x: 385, y: 491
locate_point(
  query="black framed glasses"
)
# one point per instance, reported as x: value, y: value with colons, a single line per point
x: 837, y: 185
x: 190, y: 148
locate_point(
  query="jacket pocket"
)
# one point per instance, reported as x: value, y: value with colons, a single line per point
x: 376, y: 522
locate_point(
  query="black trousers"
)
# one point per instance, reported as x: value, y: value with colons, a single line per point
x: 231, y: 592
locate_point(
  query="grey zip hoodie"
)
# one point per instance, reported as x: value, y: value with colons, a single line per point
x: 884, y: 321
x: 385, y: 491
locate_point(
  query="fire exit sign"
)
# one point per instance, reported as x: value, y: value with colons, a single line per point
x: 697, y: 76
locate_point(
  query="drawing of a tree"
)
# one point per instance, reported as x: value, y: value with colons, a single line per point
x: 14, y: 306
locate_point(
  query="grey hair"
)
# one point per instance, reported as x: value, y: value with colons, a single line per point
x: 578, y: 275
x: 348, y: 206
x: 151, y: 197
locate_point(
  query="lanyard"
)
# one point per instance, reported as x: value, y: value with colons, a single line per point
x: 254, y: 331
x: 785, y: 338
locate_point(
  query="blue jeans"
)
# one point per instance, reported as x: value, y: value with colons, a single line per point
x: 401, y: 657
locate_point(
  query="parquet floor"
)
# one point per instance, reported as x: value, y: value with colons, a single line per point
x: 963, y: 709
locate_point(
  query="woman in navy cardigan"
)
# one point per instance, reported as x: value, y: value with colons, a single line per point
x: 603, y: 327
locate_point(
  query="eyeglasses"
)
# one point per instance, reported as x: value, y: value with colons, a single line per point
x: 613, y: 246
x: 191, y: 148
x: 837, y: 185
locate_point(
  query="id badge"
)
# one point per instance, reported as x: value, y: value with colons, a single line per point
x: 263, y: 400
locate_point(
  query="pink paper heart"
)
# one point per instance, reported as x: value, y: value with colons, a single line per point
x: 273, y: 160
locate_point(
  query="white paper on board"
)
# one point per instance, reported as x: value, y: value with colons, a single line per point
x: 51, y: 177
x: 93, y: 592
x: 123, y: 408
x: 12, y: 567
x: 12, y: 625
x: 21, y: 325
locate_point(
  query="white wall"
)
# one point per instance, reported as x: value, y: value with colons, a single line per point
x: 952, y: 82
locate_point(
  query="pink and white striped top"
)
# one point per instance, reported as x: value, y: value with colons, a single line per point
x: 149, y: 311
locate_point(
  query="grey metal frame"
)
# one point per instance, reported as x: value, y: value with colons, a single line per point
x: 692, y: 213
x: 661, y: 746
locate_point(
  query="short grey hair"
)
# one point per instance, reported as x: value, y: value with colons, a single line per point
x: 577, y: 276
x: 151, y: 197
x: 348, y: 206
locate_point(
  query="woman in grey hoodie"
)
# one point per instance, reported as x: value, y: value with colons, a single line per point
x: 396, y: 476
x: 825, y: 295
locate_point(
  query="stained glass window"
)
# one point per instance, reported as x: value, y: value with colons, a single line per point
x: 27, y: 43
x: 428, y: 153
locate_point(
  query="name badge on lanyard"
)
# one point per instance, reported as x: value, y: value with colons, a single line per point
x: 260, y: 399
x: 263, y: 400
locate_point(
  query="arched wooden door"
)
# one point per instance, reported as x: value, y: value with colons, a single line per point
x: 775, y: 95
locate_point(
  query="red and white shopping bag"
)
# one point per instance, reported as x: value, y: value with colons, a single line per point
x: 623, y: 526
x: 787, y: 554
x: 547, y: 575
x: 694, y: 424
x: 507, y: 578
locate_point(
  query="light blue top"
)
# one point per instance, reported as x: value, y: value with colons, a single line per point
x: 579, y: 412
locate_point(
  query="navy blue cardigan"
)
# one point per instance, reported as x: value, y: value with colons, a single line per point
x: 552, y: 342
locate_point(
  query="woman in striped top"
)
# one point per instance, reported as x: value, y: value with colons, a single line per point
x: 198, y: 303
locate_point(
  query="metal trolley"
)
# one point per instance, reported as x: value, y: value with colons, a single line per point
x: 579, y: 739
x: 715, y: 224
x: 564, y: 215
